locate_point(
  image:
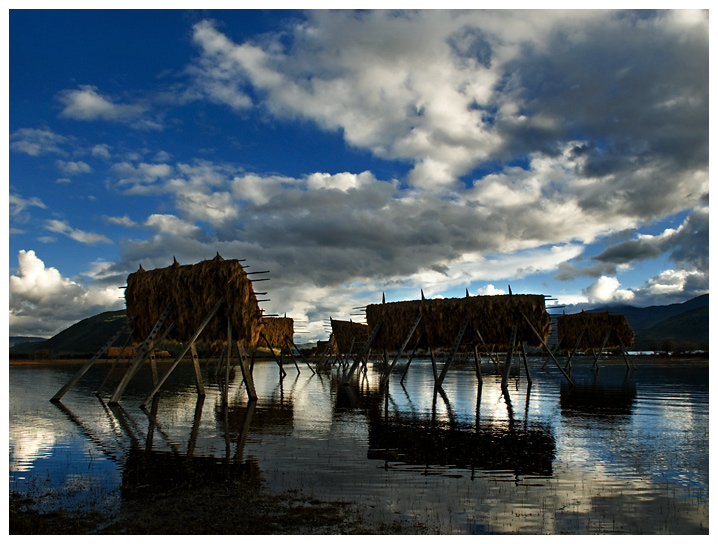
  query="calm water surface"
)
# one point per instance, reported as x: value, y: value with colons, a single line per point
x: 621, y: 452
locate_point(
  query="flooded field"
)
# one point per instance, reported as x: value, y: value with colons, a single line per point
x: 622, y: 452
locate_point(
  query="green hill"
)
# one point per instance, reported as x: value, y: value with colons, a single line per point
x: 86, y: 336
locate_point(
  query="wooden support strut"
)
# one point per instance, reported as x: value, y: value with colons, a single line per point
x: 575, y: 348
x: 185, y: 349
x: 362, y: 352
x: 385, y: 378
x: 408, y: 362
x: 603, y: 345
x: 452, y: 354
x: 246, y: 368
x: 546, y: 348
x: 142, y: 354
x: 509, y: 357
x: 80, y: 373
x: 292, y: 344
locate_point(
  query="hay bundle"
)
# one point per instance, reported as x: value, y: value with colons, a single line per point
x: 193, y: 290
x: 128, y: 352
x: 275, y: 329
x: 595, y: 326
x: 492, y: 316
x: 346, y: 331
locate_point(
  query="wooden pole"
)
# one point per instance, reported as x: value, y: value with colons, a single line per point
x: 362, y: 352
x: 433, y: 365
x: 509, y: 357
x: 477, y: 359
x: 575, y: 348
x: 246, y: 372
x: 185, y: 349
x: 80, y: 373
x: 197, y: 371
x: 454, y: 350
x: 546, y: 348
x: 401, y: 351
x: 143, y: 352
x: 229, y: 360
x: 406, y: 369
x: 526, y: 362
x: 292, y: 344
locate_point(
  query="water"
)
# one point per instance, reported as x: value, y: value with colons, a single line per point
x: 621, y: 452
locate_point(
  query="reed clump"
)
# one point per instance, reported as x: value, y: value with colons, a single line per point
x: 276, y: 329
x: 595, y: 326
x: 344, y: 332
x: 193, y: 290
x: 493, y: 316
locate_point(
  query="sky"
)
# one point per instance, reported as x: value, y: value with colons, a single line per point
x: 355, y: 154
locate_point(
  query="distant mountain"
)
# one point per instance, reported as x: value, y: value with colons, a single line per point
x: 15, y: 340
x: 86, y: 336
x: 687, y: 331
x: 642, y: 319
x: 675, y: 324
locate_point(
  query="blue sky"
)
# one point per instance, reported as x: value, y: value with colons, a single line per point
x: 357, y: 153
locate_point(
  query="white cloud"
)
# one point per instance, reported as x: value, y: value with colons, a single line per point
x: 62, y: 227
x: 101, y: 151
x: 123, y: 221
x: 489, y: 290
x: 37, y: 142
x: 87, y: 104
x: 170, y: 224
x: 18, y: 204
x: 43, y: 303
x: 71, y: 168
x: 605, y: 289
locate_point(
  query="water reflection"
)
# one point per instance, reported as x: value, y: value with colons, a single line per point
x: 449, y: 457
x: 600, y: 397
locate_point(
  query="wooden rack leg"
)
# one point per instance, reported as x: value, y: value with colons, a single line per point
x: 406, y: 369
x: 570, y: 381
x: 246, y: 368
x: 509, y: 357
x: 186, y: 348
x: 477, y: 359
x: 197, y: 370
x: 526, y: 363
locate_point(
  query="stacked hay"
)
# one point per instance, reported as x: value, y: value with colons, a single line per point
x: 346, y: 331
x: 595, y: 326
x: 128, y: 352
x: 275, y: 329
x: 493, y: 316
x: 193, y: 290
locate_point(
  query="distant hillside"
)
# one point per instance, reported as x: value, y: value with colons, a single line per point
x: 642, y: 319
x: 686, y: 331
x: 15, y: 340
x: 86, y: 336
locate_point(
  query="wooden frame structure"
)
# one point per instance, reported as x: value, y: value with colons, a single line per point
x: 594, y: 331
x: 511, y: 321
x: 186, y: 293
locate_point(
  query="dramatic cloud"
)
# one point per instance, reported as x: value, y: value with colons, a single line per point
x: 475, y: 149
x: 43, y: 303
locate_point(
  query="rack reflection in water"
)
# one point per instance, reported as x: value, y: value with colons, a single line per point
x: 468, y: 459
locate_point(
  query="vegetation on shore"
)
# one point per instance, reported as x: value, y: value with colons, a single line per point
x: 229, y: 508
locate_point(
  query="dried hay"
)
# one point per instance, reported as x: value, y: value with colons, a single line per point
x: 493, y: 316
x: 193, y: 290
x: 128, y: 352
x: 343, y: 333
x: 276, y: 328
x: 596, y: 325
